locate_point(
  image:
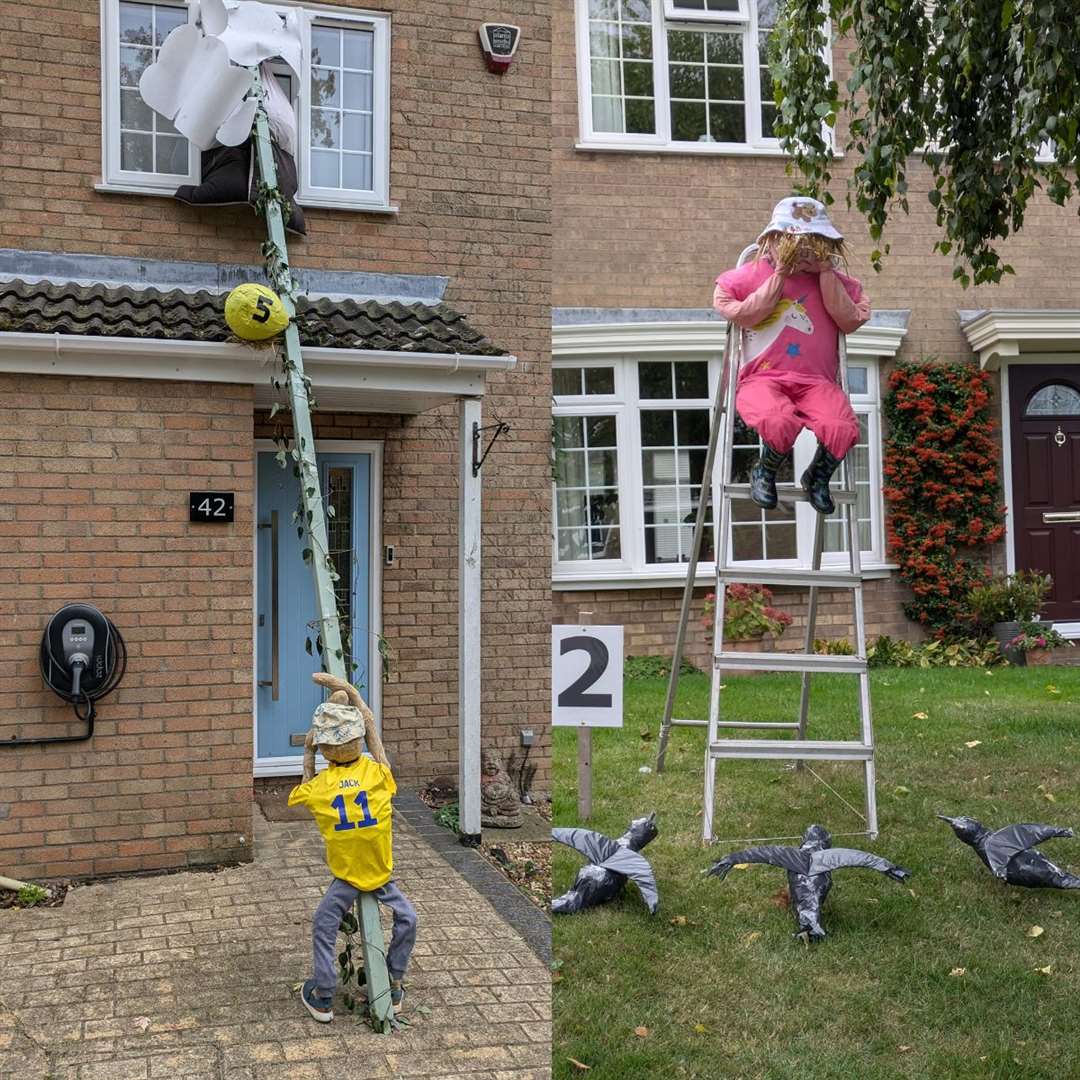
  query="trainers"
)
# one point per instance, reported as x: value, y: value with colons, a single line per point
x: 315, y: 1003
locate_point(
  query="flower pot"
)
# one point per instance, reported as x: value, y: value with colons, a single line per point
x: 1005, y: 632
x: 1039, y: 657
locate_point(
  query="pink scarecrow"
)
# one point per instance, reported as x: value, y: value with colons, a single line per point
x: 793, y: 303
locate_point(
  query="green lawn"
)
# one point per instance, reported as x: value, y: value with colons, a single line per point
x: 716, y: 977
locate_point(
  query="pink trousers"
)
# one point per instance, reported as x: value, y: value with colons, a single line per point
x: 779, y: 405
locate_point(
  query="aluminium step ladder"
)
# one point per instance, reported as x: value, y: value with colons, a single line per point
x: 814, y: 578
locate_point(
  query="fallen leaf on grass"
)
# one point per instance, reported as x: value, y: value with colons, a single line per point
x: 1052, y: 689
x: 678, y: 920
x: 913, y: 896
x: 958, y: 973
x: 296, y: 987
x: 1046, y: 970
x: 750, y: 938
x: 1036, y: 931
x: 901, y: 790
x: 1056, y: 914
x: 641, y: 1032
x: 646, y: 734
x: 903, y: 1049
x: 920, y: 716
x: 742, y: 866
x: 142, y: 1022
x: 781, y: 899
x: 579, y: 1064
x: 1049, y: 796
x: 644, y: 769
x: 974, y: 742
x: 700, y: 1029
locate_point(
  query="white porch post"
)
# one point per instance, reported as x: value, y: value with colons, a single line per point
x: 468, y: 625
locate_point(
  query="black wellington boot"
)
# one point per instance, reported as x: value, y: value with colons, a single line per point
x: 815, y: 480
x: 763, y: 477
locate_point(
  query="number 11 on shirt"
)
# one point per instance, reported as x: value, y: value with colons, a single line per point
x: 361, y: 800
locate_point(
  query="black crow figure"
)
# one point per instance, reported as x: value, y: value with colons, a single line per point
x: 809, y: 869
x: 1010, y: 852
x: 611, y: 862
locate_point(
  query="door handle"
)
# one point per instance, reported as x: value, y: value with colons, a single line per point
x: 1061, y: 515
x: 273, y: 681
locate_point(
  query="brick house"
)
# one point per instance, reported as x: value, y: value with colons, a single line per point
x: 425, y: 274
x: 664, y: 169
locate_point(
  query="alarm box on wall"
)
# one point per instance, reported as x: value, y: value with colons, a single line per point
x: 499, y: 42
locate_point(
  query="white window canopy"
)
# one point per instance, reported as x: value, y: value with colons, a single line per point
x: 1001, y: 335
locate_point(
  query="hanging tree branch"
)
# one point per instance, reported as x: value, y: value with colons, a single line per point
x: 976, y: 91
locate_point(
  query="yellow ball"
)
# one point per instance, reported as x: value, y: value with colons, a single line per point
x: 255, y: 313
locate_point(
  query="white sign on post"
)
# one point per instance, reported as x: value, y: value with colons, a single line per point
x: 586, y: 676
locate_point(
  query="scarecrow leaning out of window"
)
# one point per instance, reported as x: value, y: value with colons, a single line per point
x: 350, y: 801
x: 793, y: 303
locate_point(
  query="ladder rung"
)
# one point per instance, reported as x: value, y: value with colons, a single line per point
x: 791, y: 749
x: 785, y: 491
x: 763, y: 575
x: 689, y: 723
x: 777, y: 661
x: 770, y: 724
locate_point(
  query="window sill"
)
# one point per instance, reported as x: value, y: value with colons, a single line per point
x: 652, y: 579
x: 314, y: 202
x: 308, y: 202
x: 117, y: 188
x: 709, y: 149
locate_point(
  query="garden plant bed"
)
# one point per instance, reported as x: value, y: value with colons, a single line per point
x: 527, y: 863
x: 57, y: 890
x: 947, y: 982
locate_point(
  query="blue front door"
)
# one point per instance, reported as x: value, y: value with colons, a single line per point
x: 285, y: 646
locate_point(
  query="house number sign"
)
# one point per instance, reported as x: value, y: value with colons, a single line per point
x: 210, y: 506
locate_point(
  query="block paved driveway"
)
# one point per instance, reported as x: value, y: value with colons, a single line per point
x: 191, y: 975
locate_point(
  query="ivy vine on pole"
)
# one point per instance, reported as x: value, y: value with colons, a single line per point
x: 986, y: 95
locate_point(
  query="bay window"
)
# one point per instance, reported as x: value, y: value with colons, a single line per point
x: 630, y: 437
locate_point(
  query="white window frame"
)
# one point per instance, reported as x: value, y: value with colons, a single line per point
x: 347, y: 198
x: 113, y: 176
x: 675, y: 12
x: 662, y: 21
x: 115, y: 179
x: 625, y: 404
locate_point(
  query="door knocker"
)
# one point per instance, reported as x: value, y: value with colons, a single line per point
x: 1059, y: 436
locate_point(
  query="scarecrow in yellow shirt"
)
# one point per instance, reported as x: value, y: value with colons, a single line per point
x: 350, y: 801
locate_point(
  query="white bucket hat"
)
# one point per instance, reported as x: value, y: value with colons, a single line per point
x: 801, y: 214
x: 336, y: 724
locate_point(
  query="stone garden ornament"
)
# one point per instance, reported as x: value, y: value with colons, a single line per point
x: 500, y: 804
x: 611, y: 863
x: 1010, y: 852
x: 809, y: 869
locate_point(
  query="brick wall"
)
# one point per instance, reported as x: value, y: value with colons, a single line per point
x: 476, y: 209
x: 654, y: 230
x: 95, y: 509
x: 650, y: 617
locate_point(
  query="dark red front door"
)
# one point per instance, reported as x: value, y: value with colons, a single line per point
x: 1044, y: 406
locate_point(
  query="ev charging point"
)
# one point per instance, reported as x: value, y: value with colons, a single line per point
x: 499, y: 42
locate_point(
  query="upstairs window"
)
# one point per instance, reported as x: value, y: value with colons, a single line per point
x: 341, y: 100
x: 684, y: 74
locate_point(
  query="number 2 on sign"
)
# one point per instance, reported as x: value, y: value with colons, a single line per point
x: 361, y: 800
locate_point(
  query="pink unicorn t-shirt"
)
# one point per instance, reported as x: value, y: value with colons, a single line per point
x: 799, y: 335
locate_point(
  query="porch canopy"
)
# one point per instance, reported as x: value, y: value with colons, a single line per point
x: 371, y: 343
x: 1003, y: 335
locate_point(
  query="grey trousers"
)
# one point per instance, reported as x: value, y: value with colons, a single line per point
x: 328, y: 915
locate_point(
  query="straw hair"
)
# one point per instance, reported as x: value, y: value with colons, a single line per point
x: 787, y: 250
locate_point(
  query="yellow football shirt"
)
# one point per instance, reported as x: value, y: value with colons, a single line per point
x: 351, y: 806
